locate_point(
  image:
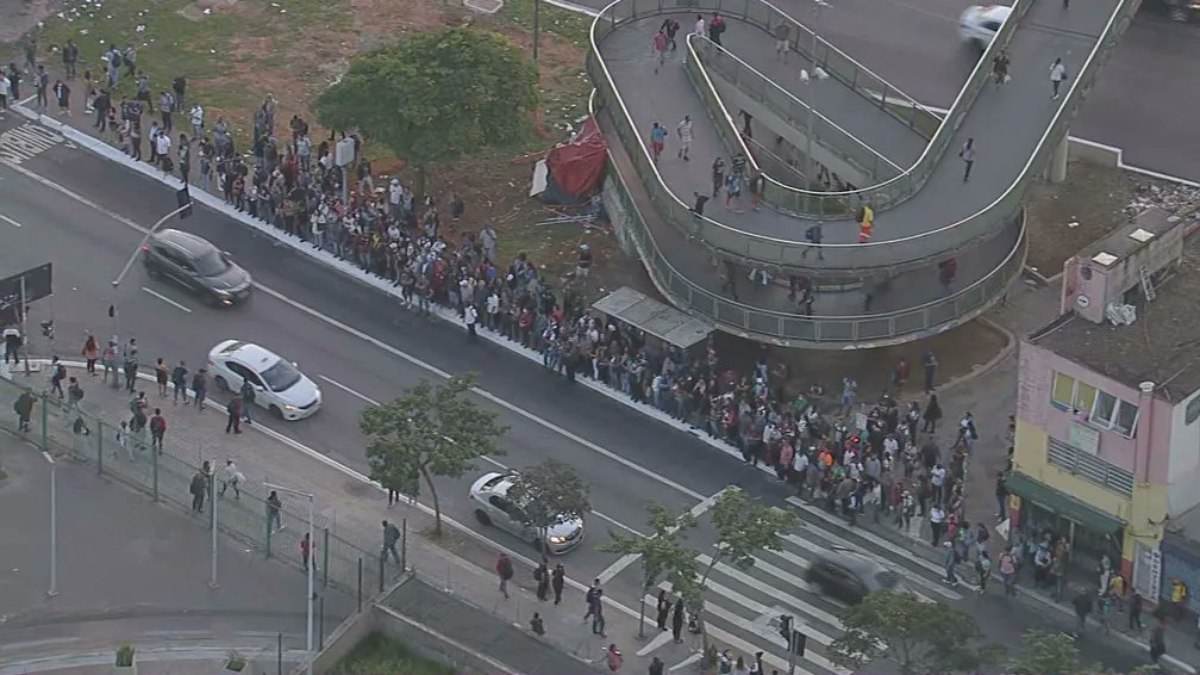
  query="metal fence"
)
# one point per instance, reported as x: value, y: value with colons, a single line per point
x: 166, y: 477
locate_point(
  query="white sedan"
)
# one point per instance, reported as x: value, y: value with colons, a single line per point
x: 979, y: 24
x: 278, y: 386
x: 494, y: 508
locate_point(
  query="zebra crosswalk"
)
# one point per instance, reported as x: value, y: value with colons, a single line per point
x: 743, y: 606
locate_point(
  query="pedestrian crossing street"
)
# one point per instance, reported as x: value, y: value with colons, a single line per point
x: 742, y: 607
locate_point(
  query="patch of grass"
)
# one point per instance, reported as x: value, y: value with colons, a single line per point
x: 377, y: 653
x: 572, y: 27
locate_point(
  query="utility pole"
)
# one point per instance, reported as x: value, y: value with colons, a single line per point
x: 212, y: 501
x: 116, y: 282
x: 53, y: 590
x: 312, y: 563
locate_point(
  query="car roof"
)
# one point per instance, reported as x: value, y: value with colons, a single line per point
x: 993, y: 12
x: 259, y: 358
x: 184, y: 241
x: 493, y: 482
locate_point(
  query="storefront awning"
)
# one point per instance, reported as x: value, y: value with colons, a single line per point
x: 1065, y: 505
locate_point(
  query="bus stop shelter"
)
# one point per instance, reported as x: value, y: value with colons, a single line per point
x: 652, y: 317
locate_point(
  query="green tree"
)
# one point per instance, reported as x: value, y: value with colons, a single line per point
x: 919, y: 636
x: 1047, y: 653
x: 435, y: 96
x: 548, y: 493
x: 432, y: 430
x: 744, y: 528
x: 663, y: 555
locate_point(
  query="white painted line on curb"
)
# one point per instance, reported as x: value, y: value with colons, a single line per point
x: 629, y: 464
x: 493, y: 462
x: 167, y: 300
x: 10, y: 221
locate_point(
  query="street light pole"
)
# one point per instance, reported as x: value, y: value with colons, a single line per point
x: 212, y: 502
x: 312, y: 563
x: 116, y: 282
x: 817, y: 75
x: 53, y: 590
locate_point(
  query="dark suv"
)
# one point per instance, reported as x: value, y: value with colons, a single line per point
x: 196, y: 265
x: 850, y: 576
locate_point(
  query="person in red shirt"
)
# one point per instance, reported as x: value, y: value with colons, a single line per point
x: 306, y: 549
x: 504, y: 570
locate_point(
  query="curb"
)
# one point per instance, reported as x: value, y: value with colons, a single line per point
x: 145, y: 655
x: 329, y: 260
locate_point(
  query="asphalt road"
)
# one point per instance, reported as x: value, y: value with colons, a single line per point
x: 915, y: 45
x: 628, y: 459
x: 88, y: 247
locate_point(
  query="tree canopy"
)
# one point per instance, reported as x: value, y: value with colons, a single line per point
x: 919, y: 636
x: 432, y: 430
x: 663, y: 555
x: 549, y: 491
x: 435, y: 96
x: 1047, y: 654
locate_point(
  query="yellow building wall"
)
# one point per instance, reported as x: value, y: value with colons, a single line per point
x: 1143, y: 513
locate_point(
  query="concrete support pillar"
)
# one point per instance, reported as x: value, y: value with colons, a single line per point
x: 1056, y: 172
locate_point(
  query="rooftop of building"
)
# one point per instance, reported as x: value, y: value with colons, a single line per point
x: 1162, y: 346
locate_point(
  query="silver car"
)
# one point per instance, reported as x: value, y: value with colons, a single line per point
x: 494, y: 508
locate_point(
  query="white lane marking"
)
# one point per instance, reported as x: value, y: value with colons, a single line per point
x: 739, y: 645
x: 796, y: 603
x: 628, y: 559
x: 905, y: 572
x: 684, y: 663
x: 362, y: 397
x: 614, y: 521
x: 759, y: 609
x: 10, y: 221
x: 795, y: 581
x: 629, y: 464
x: 871, y: 537
x: 27, y: 100
x: 167, y: 300
x: 366, y: 480
x: 657, y: 641
x: 493, y: 462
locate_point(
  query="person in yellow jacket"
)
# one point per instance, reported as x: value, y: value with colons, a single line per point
x: 1179, y: 598
x: 866, y: 223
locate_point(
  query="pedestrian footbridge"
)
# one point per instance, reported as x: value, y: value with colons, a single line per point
x: 884, y: 148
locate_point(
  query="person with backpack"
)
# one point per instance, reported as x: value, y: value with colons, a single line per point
x: 179, y: 381
x: 58, y: 373
x: 504, y: 570
x: 74, y: 393
x: 158, y: 429
x: 23, y: 406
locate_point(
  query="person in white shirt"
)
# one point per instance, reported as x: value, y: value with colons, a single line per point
x: 163, y: 150
x: 197, y: 121
x: 1058, y: 73
x: 701, y: 30
x: 937, y: 523
x: 684, y: 130
x: 231, y: 478
x: 937, y: 478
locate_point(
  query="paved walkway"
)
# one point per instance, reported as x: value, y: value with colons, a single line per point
x: 352, y: 508
x: 1007, y: 122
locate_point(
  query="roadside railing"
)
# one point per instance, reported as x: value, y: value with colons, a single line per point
x: 875, y: 172
x: 793, y: 329
x: 88, y: 437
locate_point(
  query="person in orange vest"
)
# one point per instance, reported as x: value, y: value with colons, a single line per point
x: 866, y: 223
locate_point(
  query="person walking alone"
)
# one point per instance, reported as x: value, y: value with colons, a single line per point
x: 684, y: 131
x: 1058, y: 74
x: 660, y: 49
x: 967, y: 155
x: 1000, y: 68
x: 235, y: 408
x: 199, y: 388
x: 558, y: 579
x: 179, y: 380
x: 504, y: 570
x: 274, y: 508
x: 199, y: 488
x: 231, y: 478
x: 91, y: 352
x: 663, y: 607
x: 158, y: 429
x: 391, y: 535
x: 248, y: 396
x: 306, y: 552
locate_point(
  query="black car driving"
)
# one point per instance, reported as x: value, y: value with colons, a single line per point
x: 197, y: 265
x: 850, y: 576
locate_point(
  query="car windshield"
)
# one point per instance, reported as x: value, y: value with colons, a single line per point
x: 211, y: 263
x: 281, y: 376
x: 887, y: 579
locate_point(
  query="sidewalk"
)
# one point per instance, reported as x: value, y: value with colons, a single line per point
x: 348, y: 507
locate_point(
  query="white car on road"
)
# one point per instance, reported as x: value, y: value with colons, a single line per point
x: 494, y: 508
x: 979, y: 24
x: 278, y: 385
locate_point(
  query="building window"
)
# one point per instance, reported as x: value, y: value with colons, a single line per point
x: 1063, y: 392
x: 1096, y: 407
